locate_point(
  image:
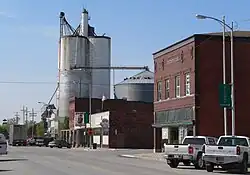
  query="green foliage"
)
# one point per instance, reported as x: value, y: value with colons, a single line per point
x: 4, y: 130
x: 40, y: 129
x: 29, y: 132
x: 66, y: 123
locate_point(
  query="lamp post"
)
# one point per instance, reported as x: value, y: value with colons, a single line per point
x: 223, y: 23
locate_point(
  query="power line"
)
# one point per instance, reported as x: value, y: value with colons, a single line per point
x: 77, y: 83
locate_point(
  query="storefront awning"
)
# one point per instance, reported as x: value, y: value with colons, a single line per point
x: 161, y: 125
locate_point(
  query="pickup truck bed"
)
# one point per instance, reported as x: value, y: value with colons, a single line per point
x: 188, y: 152
x: 233, y: 154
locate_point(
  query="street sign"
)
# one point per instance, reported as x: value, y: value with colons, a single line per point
x: 86, y: 117
x: 225, y: 95
x: 90, y: 131
x: 78, y: 118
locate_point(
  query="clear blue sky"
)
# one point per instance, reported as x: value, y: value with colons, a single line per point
x: 29, y: 35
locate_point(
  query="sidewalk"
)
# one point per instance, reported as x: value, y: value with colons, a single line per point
x: 146, y: 156
x: 91, y: 149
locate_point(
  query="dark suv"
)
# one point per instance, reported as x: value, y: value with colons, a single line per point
x: 59, y: 144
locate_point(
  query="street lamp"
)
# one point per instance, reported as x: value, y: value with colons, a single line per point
x: 223, y: 23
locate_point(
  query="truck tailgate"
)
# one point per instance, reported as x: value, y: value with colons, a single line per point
x: 176, y: 149
x: 220, y: 150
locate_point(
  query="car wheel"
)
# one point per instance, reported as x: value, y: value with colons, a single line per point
x: 199, y: 164
x: 173, y: 163
x: 209, y: 167
x: 243, y: 165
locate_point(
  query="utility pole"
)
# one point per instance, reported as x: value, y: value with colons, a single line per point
x: 26, y: 117
x: 32, y: 115
x: 17, y: 117
x: 23, y: 110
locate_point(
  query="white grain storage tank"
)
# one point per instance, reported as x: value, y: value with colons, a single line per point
x: 74, y: 52
x: 139, y: 87
x: 100, y: 56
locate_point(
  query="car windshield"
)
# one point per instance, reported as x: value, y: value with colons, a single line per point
x: 195, y: 141
x: 230, y: 141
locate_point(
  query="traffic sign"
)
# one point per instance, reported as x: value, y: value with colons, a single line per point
x: 225, y: 95
x: 86, y: 117
x: 90, y: 131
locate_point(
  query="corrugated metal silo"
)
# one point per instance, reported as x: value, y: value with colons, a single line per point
x: 100, y: 56
x: 139, y: 87
x: 74, y: 52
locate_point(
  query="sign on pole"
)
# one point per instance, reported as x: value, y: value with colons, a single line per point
x: 78, y: 118
x: 225, y: 95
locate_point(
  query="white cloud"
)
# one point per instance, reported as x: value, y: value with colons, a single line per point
x: 7, y: 15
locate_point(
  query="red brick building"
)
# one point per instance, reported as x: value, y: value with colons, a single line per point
x: 187, y: 78
x: 129, y: 121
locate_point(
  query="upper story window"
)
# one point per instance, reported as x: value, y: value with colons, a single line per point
x: 167, y: 88
x: 159, y: 91
x: 177, y: 86
x: 187, y: 84
x: 162, y: 64
x: 155, y: 66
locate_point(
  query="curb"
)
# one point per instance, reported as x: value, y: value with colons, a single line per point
x: 143, y: 158
x: 128, y: 156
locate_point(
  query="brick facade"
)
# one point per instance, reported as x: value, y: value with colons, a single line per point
x: 201, y: 55
x: 130, y: 122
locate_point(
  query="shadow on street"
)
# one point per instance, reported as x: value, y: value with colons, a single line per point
x: 11, y: 160
x: 1, y: 171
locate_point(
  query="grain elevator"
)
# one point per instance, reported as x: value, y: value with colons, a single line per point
x: 81, y: 47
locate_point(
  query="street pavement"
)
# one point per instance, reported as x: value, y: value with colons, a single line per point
x: 54, y: 161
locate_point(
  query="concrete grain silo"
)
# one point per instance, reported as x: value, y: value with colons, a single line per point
x: 81, y: 47
x: 100, y: 54
x: 139, y: 87
x: 74, y: 52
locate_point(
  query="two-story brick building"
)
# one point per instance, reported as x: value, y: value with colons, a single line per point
x: 187, y: 78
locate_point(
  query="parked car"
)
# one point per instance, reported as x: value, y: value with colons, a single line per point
x: 47, y: 140
x: 231, y: 152
x: 39, y: 142
x: 190, y: 151
x: 59, y: 144
x: 3, y: 145
x: 31, y: 142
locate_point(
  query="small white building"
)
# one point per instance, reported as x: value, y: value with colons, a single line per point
x: 100, y: 124
x: 53, y: 125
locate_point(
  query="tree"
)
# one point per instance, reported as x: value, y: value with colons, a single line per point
x: 66, y: 123
x: 4, y: 130
x: 29, y: 132
x: 40, y: 129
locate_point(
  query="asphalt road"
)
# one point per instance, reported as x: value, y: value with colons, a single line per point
x: 54, y: 161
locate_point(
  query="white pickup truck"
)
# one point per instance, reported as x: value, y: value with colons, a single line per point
x: 190, y: 151
x: 231, y: 152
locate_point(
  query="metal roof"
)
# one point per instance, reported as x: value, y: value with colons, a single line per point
x: 144, y: 77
